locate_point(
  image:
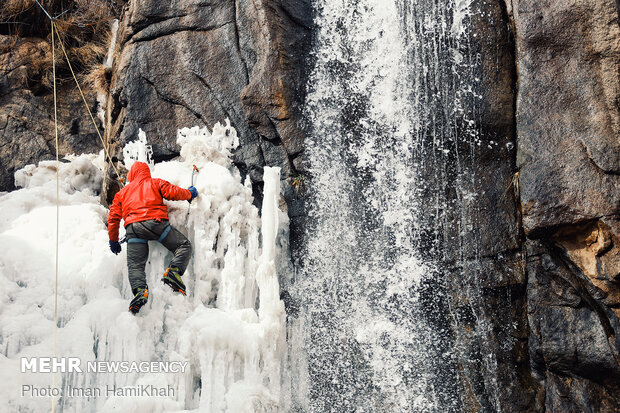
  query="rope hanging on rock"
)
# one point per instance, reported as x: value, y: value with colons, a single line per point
x: 57, y: 207
x: 54, y: 33
x: 105, y: 148
x: 77, y: 83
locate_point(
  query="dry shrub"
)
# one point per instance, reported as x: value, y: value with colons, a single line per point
x: 98, y: 78
x: 86, y: 54
x: 12, y: 8
x: 83, y: 27
x: 7, y: 43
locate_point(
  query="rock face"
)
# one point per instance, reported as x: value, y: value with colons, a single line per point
x: 26, y: 99
x: 568, y: 122
x: 488, y: 281
x: 27, y: 111
x: 194, y: 63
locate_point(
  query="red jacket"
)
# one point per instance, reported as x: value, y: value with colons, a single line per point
x: 142, y: 199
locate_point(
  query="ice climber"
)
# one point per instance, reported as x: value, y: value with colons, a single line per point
x: 141, y: 205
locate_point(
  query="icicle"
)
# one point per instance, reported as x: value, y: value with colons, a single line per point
x: 102, y: 96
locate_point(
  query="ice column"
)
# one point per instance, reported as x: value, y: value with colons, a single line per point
x: 270, y: 305
x: 138, y: 150
x: 271, y: 309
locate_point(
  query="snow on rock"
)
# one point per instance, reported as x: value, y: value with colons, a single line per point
x: 229, y: 329
x: 138, y: 150
x: 197, y: 144
x: 79, y: 174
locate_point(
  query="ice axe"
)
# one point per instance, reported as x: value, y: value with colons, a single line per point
x: 195, y: 170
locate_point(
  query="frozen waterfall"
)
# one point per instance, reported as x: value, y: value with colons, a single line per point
x: 386, y: 278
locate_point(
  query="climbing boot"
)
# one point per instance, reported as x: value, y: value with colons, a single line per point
x: 140, y: 298
x: 172, y: 278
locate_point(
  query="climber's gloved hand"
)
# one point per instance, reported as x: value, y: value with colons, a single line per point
x: 194, y: 192
x: 115, y: 247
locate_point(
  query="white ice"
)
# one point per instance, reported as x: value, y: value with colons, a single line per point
x: 229, y: 328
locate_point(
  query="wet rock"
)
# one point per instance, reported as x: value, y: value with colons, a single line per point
x: 487, y: 285
x: 492, y: 334
x: 484, y: 215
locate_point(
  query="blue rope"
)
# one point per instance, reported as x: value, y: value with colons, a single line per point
x: 44, y: 11
x: 161, y: 238
x: 164, y: 234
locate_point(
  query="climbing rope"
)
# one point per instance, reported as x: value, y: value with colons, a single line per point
x: 57, y: 208
x: 54, y: 33
x: 77, y: 83
x: 105, y: 148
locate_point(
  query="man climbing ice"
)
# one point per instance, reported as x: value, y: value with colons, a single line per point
x: 141, y: 205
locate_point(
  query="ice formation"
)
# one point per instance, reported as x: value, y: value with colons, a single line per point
x: 138, y: 150
x: 229, y: 329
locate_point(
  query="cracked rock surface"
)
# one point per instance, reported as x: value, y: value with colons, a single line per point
x: 568, y: 123
x: 188, y: 63
x: 568, y: 120
x: 195, y: 63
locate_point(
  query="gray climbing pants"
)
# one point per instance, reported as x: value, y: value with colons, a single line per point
x: 138, y: 235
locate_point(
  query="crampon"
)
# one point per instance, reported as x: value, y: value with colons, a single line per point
x: 140, y: 298
x: 172, y: 279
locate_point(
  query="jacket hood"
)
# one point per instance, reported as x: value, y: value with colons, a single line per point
x: 139, y: 172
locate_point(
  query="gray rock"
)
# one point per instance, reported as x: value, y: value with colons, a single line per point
x: 27, y: 112
x: 571, y: 338
x: 483, y: 218
x: 576, y: 395
x: 195, y: 63
x: 569, y: 160
x: 568, y: 120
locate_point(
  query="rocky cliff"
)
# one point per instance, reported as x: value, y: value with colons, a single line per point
x: 196, y: 63
x: 567, y: 121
